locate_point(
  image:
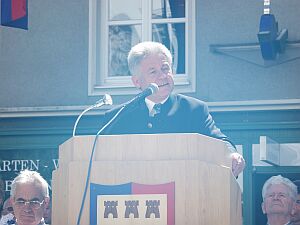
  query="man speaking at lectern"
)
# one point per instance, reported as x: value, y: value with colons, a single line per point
x: 163, y: 111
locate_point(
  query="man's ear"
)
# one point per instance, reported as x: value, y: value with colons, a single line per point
x: 136, y: 81
x: 47, y: 199
x: 293, y: 208
x: 293, y: 211
x: 263, y: 208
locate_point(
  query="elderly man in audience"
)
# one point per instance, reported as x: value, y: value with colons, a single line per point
x: 279, y: 197
x: 29, y: 198
x: 7, y: 214
x: 296, y: 212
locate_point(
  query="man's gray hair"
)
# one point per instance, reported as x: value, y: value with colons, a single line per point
x: 27, y: 176
x: 144, y: 49
x: 291, y: 187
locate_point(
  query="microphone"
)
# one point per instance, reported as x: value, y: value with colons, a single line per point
x: 106, y: 100
x: 151, y: 89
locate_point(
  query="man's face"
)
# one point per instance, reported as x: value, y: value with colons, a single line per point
x: 296, y: 212
x: 277, y: 200
x: 155, y: 69
x: 29, y: 214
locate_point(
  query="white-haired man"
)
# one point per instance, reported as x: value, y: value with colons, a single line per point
x: 7, y: 214
x: 163, y: 111
x: 279, y: 196
x: 29, y: 198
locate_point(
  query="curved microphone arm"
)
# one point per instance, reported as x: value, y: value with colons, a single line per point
x: 106, y: 100
x: 153, y: 88
x: 91, y: 162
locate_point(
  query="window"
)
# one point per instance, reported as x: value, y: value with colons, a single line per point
x: 117, y: 25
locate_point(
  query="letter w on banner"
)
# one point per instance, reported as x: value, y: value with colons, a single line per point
x: 14, y: 13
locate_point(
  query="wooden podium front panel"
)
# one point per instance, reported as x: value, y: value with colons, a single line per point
x: 199, y: 197
x: 205, y: 190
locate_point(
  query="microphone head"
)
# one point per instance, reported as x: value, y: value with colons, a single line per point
x: 107, y: 100
x: 153, y: 87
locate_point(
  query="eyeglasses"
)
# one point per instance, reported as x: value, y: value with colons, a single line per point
x: 32, y: 204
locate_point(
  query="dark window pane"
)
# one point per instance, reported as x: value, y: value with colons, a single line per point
x: 168, y: 9
x: 173, y: 37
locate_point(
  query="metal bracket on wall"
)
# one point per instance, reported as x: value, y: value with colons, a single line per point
x: 278, y: 154
x: 251, y: 53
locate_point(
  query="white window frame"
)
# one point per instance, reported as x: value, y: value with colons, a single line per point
x: 98, y: 81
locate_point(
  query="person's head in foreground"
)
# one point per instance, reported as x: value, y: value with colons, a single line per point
x: 296, y: 212
x: 29, y: 197
x: 279, y: 196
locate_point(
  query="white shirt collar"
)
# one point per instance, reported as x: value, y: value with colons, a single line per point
x: 150, y: 104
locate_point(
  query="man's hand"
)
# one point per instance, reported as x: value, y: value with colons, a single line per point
x: 238, y: 163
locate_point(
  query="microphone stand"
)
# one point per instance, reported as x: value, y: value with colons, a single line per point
x: 106, y: 100
x: 91, y: 162
x: 153, y: 88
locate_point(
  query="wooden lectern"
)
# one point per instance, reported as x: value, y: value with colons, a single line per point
x: 206, y: 192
